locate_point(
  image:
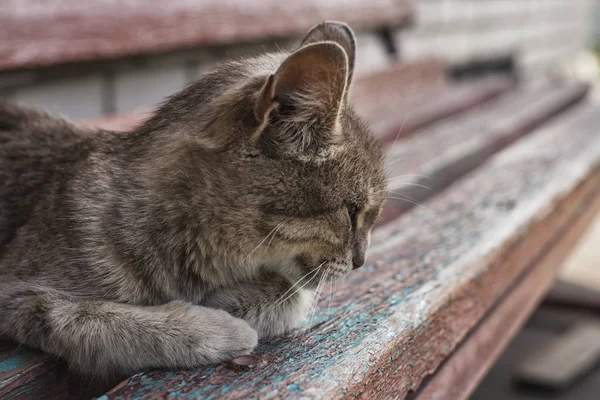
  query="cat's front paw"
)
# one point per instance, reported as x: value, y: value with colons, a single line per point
x: 223, y: 336
x: 214, y: 335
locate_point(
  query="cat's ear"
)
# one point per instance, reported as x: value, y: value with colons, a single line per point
x: 338, y: 32
x: 308, y: 88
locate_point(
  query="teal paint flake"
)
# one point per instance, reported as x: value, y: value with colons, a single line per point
x: 294, y: 388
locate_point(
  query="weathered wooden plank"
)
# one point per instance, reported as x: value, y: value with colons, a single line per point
x: 432, y: 275
x: 460, y: 374
x: 534, y: 238
x: 476, y: 123
x: 26, y: 373
x: 439, y: 155
x: 45, y: 33
x: 398, y: 85
x: 404, y: 107
x: 408, y: 96
x: 17, y: 368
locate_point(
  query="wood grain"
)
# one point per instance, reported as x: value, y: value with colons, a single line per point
x: 36, y: 34
x: 432, y: 275
x: 357, y: 292
x: 399, y: 85
x: 441, y: 154
x: 410, y: 96
x: 460, y: 374
x: 26, y: 373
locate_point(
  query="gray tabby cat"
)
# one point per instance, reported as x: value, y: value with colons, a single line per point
x: 180, y: 243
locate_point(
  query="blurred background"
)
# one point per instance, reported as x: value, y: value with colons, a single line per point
x: 86, y: 59
x: 92, y: 59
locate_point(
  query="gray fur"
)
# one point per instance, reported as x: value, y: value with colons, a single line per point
x: 118, y: 250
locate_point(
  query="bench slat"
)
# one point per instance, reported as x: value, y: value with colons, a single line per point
x: 431, y: 276
x: 26, y: 373
x: 541, y: 104
x: 428, y: 108
x: 459, y: 376
x: 396, y: 103
x: 445, y: 152
x: 49, y: 33
x: 16, y: 368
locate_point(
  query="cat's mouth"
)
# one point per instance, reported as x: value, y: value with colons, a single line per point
x: 327, y: 271
x: 311, y: 273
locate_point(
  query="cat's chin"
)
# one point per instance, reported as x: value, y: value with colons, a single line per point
x: 310, y: 276
x: 328, y: 272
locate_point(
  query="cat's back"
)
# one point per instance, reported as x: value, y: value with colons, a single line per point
x: 37, y: 152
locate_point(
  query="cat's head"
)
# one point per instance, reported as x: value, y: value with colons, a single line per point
x: 288, y: 176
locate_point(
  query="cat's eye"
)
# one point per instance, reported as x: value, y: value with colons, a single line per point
x: 353, y: 211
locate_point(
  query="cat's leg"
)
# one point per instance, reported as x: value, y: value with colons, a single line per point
x: 107, y: 339
x: 270, y: 304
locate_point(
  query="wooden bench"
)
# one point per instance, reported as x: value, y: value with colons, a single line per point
x: 491, y: 185
x: 447, y: 284
x: 38, y: 34
x: 409, y: 96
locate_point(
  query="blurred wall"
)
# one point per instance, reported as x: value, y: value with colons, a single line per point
x: 596, y: 23
x: 540, y: 34
x: 118, y: 86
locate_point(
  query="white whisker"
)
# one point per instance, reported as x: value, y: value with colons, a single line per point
x: 314, y: 271
x: 273, y: 231
x: 298, y: 289
x: 317, y: 295
x: 409, y: 184
x: 312, y: 308
x: 400, y: 130
x: 273, y: 236
x: 411, y: 201
x: 393, y: 170
x: 408, y: 176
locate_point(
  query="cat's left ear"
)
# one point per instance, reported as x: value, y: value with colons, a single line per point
x: 337, y: 32
x: 308, y: 89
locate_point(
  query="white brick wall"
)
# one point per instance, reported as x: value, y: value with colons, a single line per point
x: 465, y: 30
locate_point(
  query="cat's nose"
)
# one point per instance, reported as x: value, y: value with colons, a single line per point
x: 359, y: 253
x: 358, y: 260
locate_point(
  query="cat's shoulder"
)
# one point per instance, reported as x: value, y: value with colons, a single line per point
x: 37, y: 151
